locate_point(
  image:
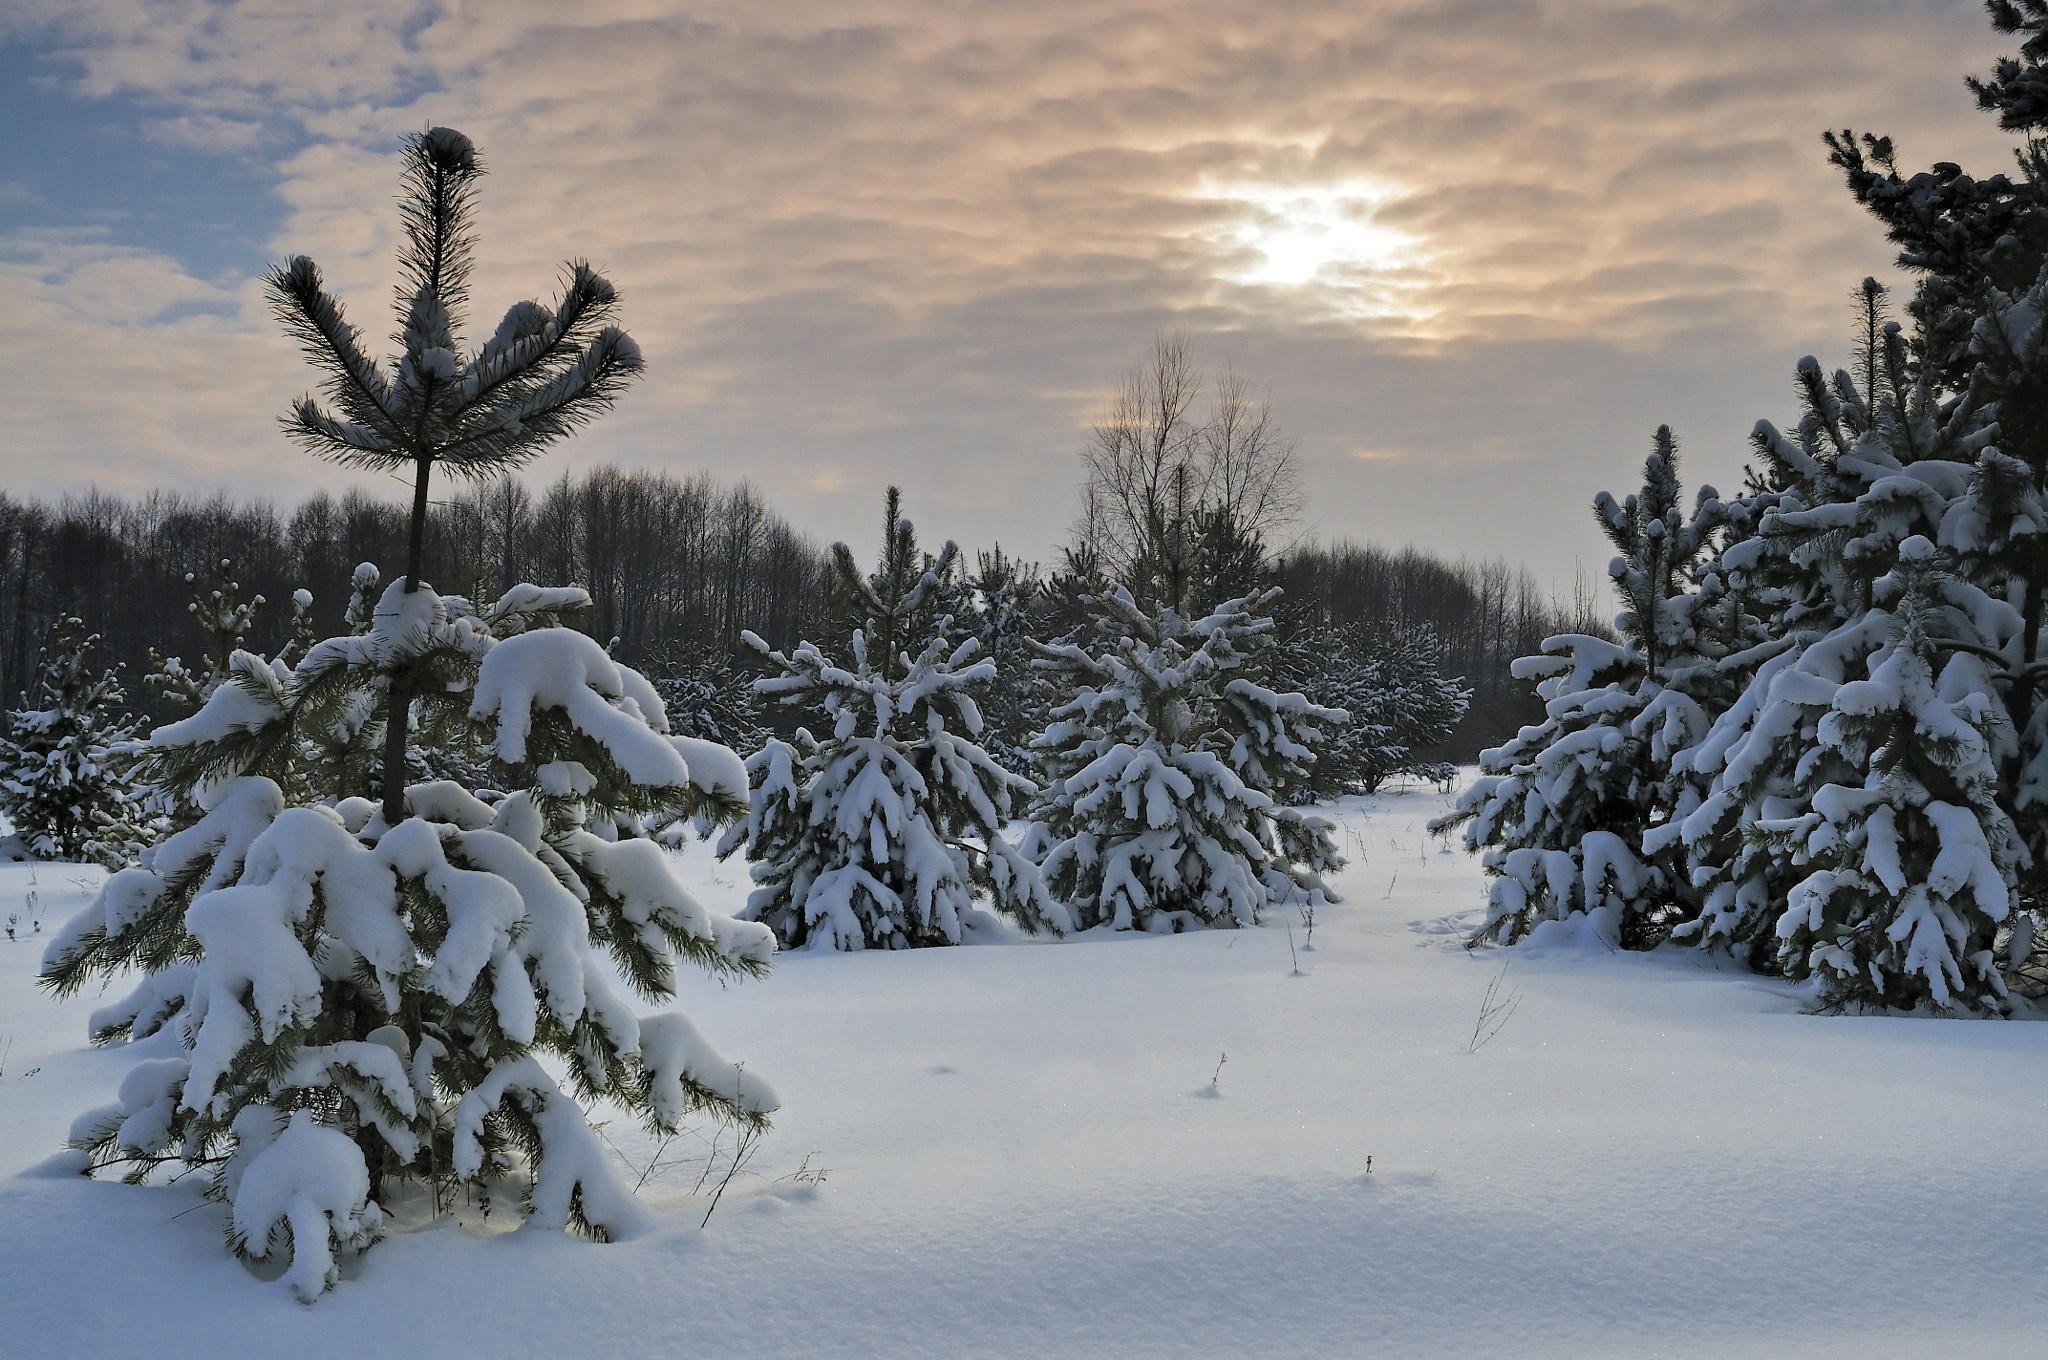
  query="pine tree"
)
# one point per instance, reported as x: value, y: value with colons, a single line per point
x: 360, y: 993
x: 1391, y: 682
x: 1911, y: 867
x: 1404, y: 699
x: 880, y: 833
x: 547, y: 371
x: 225, y: 619
x: 1168, y: 769
x: 1978, y: 248
x: 707, y: 695
x: 1854, y: 759
x: 1876, y: 462
x: 1562, y: 810
x: 1227, y: 558
x: 66, y: 781
x: 397, y: 981
x: 1008, y: 595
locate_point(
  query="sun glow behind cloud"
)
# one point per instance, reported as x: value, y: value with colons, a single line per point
x: 1320, y: 236
x: 907, y: 241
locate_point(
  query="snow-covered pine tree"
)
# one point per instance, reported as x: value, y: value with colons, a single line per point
x: 1554, y: 809
x: 1273, y: 738
x: 1168, y: 768
x: 225, y: 618
x: 357, y: 995
x: 66, y: 782
x: 707, y: 695
x: 371, y: 999
x: 880, y: 833
x: 1561, y: 810
x: 1978, y: 247
x: 1876, y: 462
x: 1007, y: 596
x: 1328, y: 661
x: 1996, y: 537
x: 1390, y: 679
x: 1406, y: 700
x: 1909, y: 868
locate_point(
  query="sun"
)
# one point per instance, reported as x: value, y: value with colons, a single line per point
x: 1317, y: 234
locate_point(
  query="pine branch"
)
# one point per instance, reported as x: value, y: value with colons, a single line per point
x: 337, y: 441
x: 317, y: 321
x: 517, y: 432
x: 438, y: 207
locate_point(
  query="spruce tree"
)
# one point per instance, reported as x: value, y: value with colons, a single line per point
x: 880, y: 832
x: 67, y: 780
x: 360, y: 992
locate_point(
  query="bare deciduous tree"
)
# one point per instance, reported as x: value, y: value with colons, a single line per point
x: 1156, y: 475
x: 1251, y: 472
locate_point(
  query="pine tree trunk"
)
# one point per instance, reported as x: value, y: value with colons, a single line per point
x: 398, y: 715
x: 372, y: 1145
x: 397, y: 720
x: 416, y: 548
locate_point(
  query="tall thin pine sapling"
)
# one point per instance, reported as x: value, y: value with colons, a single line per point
x: 546, y: 371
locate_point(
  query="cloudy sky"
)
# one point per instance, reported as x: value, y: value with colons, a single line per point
x: 1476, y: 250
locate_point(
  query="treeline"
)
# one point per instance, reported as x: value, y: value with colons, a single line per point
x: 668, y: 562
x: 676, y: 568
x: 1485, y: 613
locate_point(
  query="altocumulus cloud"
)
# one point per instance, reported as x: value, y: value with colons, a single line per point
x: 1477, y: 249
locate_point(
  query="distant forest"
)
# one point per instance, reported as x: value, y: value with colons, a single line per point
x: 676, y: 568
x: 1487, y: 613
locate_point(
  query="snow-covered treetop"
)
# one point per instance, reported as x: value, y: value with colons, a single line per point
x: 1660, y: 549
x: 224, y: 618
x: 868, y: 700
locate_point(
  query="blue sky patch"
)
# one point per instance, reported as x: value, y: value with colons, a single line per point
x: 71, y: 162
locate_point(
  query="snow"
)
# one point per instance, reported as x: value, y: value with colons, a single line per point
x: 714, y: 768
x: 559, y: 668
x: 1026, y: 1156
x: 573, y: 1166
x: 310, y: 1179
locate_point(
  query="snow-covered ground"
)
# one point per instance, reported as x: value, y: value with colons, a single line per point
x: 1030, y: 1151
